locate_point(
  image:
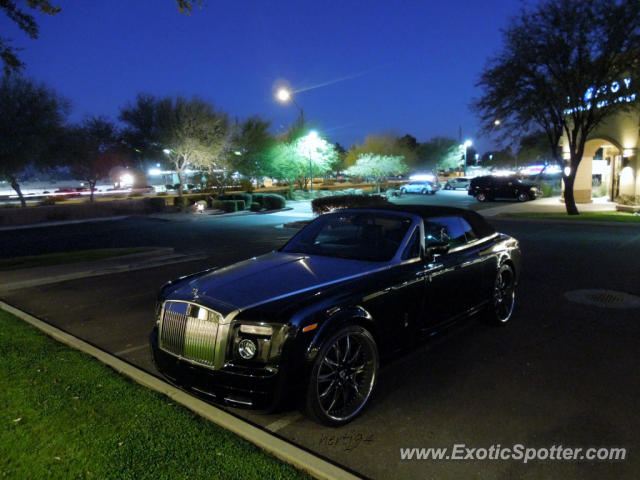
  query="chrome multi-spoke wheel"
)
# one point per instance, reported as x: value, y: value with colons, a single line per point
x: 504, y: 295
x: 343, y: 376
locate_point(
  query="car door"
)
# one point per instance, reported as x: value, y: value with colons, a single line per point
x: 400, y: 302
x: 455, y: 278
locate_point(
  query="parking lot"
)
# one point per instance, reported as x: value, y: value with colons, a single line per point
x: 561, y: 373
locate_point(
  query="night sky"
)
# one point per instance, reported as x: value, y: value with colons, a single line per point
x: 406, y: 67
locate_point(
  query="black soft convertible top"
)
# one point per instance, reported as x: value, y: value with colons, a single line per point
x: 477, y: 222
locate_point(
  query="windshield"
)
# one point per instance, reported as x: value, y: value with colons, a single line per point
x: 367, y: 236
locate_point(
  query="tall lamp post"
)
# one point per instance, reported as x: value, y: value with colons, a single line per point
x: 466, y: 146
x: 284, y: 95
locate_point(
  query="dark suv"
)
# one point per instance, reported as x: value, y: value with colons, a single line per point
x: 490, y: 187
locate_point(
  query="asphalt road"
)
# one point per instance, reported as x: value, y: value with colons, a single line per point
x: 560, y: 373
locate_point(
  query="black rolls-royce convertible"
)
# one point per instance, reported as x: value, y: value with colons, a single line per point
x: 316, y: 318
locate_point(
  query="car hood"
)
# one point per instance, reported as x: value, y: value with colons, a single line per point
x: 272, y: 276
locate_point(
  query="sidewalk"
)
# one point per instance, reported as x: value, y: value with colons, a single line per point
x: 30, y: 277
x: 547, y: 205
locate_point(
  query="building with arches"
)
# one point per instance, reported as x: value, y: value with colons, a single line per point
x: 611, y: 155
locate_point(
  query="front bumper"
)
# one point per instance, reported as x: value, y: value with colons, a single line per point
x: 257, y: 388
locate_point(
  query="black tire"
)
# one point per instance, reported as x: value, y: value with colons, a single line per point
x: 447, y: 186
x: 423, y: 191
x: 503, y: 296
x: 481, y: 197
x: 403, y: 191
x: 433, y: 192
x: 343, y: 376
x: 523, y: 197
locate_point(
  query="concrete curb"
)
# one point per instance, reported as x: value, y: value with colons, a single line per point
x: 62, y: 222
x: 561, y: 221
x: 277, y: 447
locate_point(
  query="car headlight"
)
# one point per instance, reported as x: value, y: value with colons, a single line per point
x: 258, y: 342
x: 247, y: 349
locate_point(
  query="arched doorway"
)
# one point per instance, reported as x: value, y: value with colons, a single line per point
x: 605, y: 156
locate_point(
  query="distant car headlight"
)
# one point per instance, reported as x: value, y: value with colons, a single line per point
x: 247, y: 349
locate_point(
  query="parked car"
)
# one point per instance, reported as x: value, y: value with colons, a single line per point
x: 315, y: 319
x: 457, y: 182
x: 490, y: 187
x: 424, y: 187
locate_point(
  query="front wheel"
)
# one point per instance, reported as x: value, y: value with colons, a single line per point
x: 523, y: 197
x: 447, y: 187
x: 503, y: 297
x: 481, y: 197
x: 403, y: 191
x: 343, y: 376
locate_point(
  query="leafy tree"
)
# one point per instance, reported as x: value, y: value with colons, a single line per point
x: 93, y: 149
x: 191, y: 133
x: 558, y: 59
x: 439, y: 153
x: 142, y: 134
x: 292, y: 161
x: 27, y: 23
x: 377, y: 167
x: 31, y: 118
x: 250, y: 144
x: 379, y: 144
x: 535, y: 148
x: 499, y: 159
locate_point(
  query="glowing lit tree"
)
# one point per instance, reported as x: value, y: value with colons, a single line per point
x: 562, y: 69
x: 296, y: 161
x: 377, y: 167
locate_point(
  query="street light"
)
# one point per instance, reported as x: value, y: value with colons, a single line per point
x: 284, y: 96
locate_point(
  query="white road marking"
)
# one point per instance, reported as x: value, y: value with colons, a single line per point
x: 130, y: 350
x: 287, y: 419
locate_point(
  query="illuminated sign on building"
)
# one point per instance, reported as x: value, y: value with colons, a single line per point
x: 592, y: 93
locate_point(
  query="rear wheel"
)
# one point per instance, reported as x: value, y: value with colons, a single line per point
x: 481, y: 197
x: 423, y: 191
x: 403, y: 191
x: 343, y: 376
x: 504, y: 296
x: 447, y: 186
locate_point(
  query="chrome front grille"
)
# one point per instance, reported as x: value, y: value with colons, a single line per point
x: 189, y: 331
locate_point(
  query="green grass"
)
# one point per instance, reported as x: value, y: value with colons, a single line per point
x: 65, y: 415
x: 16, y: 263
x: 624, y: 217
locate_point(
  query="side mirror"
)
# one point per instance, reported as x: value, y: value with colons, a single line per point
x: 435, y: 249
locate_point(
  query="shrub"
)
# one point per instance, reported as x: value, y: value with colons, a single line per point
x: 327, y: 204
x: 180, y: 202
x: 547, y: 190
x: 229, y: 205
x: 272, y: 201
x: 257, y: 198
x: 244, y: 197
x: 255, y: 207
x: 217, y: 204
x: 161, y: 194
x: 240, y: 204
x: 599, y: 191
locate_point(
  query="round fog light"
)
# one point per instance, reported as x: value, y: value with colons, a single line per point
x: 247, y: 349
